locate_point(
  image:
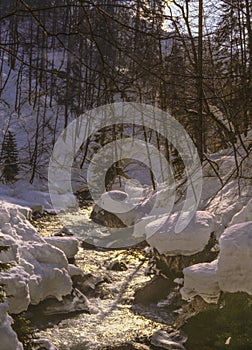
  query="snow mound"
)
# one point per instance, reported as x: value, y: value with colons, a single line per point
x: 39, y: 269
x: 193, y: 239
x: 8, y: 337
x: 234, y: 263
x: 201, y: 279
x: 231, y: 272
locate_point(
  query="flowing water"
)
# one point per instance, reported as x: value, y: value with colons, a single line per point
x: 114, y: 318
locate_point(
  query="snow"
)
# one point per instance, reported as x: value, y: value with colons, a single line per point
x: 193, y: 239
x: 234, y: 263
x: 8, y: 337
x: 40, y: 269
x: 201, y: 279
x: 69, y: 245
x: 244, y: 215
x: 230, y: 272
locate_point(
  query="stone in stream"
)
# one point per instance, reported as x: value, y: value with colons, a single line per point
x: 88, y: 283
x: 127, y: 346
x: 153, y: 291
x: 172, y: 266
x: 65, y: 231
x: 117, y: 265
x: 105, y: 218
x: 75, y: 302
x: 169, y: 341
x: 44, y: 344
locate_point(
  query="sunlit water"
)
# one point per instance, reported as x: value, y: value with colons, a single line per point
x: 113, y: 320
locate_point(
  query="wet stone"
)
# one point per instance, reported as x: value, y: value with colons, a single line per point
x: 170, y: 341
x: 128, y: 346
x: 117, y: 265
x: 156, y: 289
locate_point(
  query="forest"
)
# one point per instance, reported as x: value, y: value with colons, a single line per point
x: 125, y: 174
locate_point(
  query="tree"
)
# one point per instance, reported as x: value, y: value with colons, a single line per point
x: 9, y: 158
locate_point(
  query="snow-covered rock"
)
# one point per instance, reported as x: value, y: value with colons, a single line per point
x: 170, y: 341
x: 201, y: 279
x: 8, y: 338
x: 234, y: 263
x: 69, y: 245
x: 40, y: 269
x: 244, y: 215
x: 15, y: 281
x: 43, y: 343
x: 193, y: 239
x: 48, y: 269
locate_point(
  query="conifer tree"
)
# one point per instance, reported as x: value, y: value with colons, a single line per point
x: 9, y: 158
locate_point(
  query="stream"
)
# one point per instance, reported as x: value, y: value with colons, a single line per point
x: 119, y: 321
x: 114, y: 318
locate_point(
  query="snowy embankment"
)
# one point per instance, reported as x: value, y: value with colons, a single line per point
x: 227, y: 198
x: 224, y: 214
x: 39, y: 267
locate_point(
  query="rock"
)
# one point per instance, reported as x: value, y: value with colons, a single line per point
x: 65, y: 231
x: 234, y: 264
x: 193, y: 239
x: 105, y: 218
x: 209, y: 326
x: 37, y: 211
x: 172, y: 266
x: 74, y: 302
x: 43, y: 344
x: 117, y: 265
x: 201, y: 279
x: 169, y: 341
x: 69, y: 245
x: 127, y: 346
x: 153, y: 291
x: 8, y: 338
x: 88, y: 283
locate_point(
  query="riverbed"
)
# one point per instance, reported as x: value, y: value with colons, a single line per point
x: 114, y: 318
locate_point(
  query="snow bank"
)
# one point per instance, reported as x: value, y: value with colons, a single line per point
x: 234, y: 263
x: 8, y: 337
x: 40, y: 269
x: 231, y: 272
x: 193, y: 239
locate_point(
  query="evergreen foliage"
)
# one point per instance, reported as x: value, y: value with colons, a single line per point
x: 9, y: 158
